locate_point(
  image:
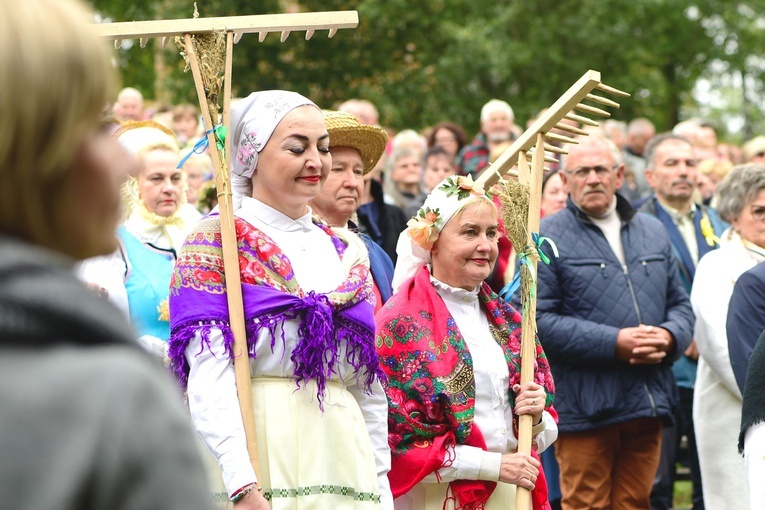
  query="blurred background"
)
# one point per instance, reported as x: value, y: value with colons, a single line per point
x: 425, y: 61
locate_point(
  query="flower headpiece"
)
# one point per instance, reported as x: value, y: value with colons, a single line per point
x: 415, y: 243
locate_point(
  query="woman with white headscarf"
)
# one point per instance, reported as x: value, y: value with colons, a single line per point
x: 451, y: 351
x: 320, y: 409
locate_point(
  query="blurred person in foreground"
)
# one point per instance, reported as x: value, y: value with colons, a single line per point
x: 450, y: 349
x: 355, y: 150
x: 717, y: 399
x: 87, y: 419
x: 613, y: 316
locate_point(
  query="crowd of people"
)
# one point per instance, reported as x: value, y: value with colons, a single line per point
x: 384, y: 367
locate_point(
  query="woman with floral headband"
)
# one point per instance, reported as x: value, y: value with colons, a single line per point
x: 320, y: 409
x: 451, y: 351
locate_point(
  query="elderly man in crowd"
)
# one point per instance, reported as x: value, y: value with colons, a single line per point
x: 694, y: 230
x: 129, y: 105
x: 612, y: 315
x: 496, y: 128
x: 639, y: 131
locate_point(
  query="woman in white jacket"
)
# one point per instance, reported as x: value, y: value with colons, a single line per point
x: 717, y: 399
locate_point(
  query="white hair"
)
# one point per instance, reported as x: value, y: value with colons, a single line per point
x: 496, y: 105
x: 129, y: 92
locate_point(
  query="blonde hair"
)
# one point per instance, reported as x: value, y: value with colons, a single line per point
x: 56, y: 76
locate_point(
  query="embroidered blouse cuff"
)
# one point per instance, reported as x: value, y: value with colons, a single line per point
x: 538, y: 428
x: 490, y: 466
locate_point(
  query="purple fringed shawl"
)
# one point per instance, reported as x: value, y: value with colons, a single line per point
x: 271, y: 294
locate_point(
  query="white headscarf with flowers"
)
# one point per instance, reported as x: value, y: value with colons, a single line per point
x: 253, y: 121
x: 416, y: 242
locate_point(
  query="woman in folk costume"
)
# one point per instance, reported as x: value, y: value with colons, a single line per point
x: 451, y: 351
x: 151, y: 235
x: 320, y: 409
x: 717, y: 398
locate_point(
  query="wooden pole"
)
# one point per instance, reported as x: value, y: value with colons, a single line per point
x: 229, y: 243
x: 533, y: 177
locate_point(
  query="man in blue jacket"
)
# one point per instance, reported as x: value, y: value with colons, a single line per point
x: 694, y: 230
x: 612, y: 316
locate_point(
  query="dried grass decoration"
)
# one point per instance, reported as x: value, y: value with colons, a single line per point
x: 210, y: 49
x: 515, y: 197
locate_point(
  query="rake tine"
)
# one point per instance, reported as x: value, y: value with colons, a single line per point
x: 602, y: 100
x: 591, y: 109
x: 611, y: 90
x: 560, y: 138
x: 570, y: 129
x: 556, y: 150
x: 581, y: 120
x: 548, y: 159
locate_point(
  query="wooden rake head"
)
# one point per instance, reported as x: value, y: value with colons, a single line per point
x: 261, y: 24
x: 569, y: 106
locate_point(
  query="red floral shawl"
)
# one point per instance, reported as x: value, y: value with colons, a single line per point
x: 431, y: 388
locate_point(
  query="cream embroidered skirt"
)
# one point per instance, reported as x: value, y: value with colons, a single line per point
x: 431, y: 496
x: 309, y: 459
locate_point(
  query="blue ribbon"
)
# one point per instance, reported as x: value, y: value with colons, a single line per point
x: 508, y: 290
x: 203, y: 143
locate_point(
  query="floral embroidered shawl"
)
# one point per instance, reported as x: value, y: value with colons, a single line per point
x: 271, y: 294
x: 431, y: 388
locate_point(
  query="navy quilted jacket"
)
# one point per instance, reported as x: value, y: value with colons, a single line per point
x: 585, y: 296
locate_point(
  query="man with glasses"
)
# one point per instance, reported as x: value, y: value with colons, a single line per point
x: 612, y: 315
x: 693, y: 230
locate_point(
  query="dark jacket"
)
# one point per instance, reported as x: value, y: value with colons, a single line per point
x: 746, y: 320
x: 380, y: 264
x: 585, y: 297
x: 87, y: 419
x: 685, y: 368
x: 382, y: 222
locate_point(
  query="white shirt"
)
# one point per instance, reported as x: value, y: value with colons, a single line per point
x: 611, y: 226
x: 212, y: 387
x: 493, y: 414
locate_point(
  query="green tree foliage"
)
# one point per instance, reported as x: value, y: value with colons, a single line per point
x: 422, y: 62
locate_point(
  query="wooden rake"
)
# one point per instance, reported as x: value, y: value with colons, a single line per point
x: 530, y: 149
x: 208, y: 83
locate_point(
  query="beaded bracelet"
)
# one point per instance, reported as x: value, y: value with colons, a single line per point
x: 245, y: 491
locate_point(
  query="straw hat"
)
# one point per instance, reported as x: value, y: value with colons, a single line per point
x: 345, y: 131
x: 136, y: 136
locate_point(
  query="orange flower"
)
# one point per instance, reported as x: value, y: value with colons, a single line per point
x: 466, y: 183
x: 431, y: 217
x: 422, y: 233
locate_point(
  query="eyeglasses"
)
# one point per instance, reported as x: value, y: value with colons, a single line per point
x: 758, y: 212
x: 583, y: 172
